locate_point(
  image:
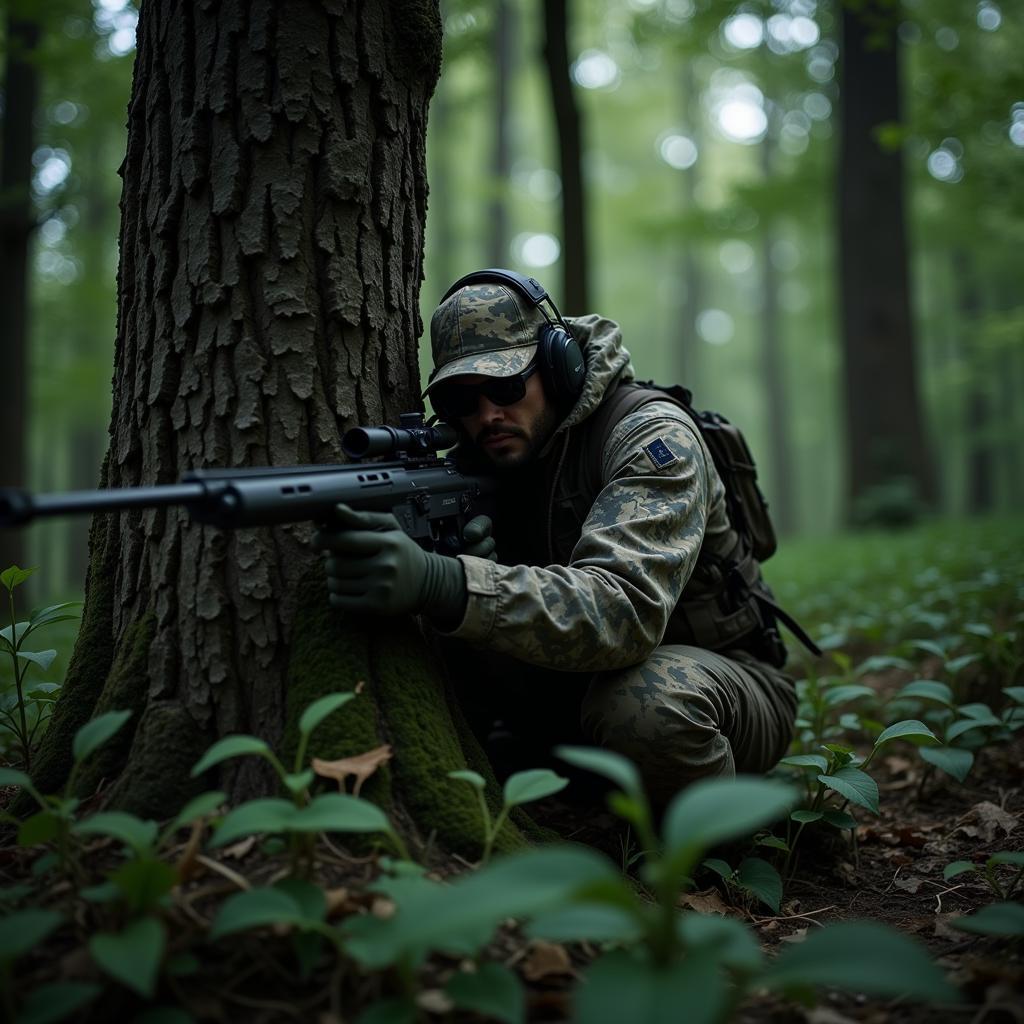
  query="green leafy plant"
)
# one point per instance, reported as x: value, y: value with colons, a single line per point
x: 753, y: 876
x: 990, y: 871
x: 520, y: 788
x: 25, y: 712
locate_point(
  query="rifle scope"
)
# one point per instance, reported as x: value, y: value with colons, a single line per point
x: 412, y: 438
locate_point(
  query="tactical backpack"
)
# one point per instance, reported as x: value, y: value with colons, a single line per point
x: 730, y: 604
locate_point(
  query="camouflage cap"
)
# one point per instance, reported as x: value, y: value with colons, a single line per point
x: 483, y: 329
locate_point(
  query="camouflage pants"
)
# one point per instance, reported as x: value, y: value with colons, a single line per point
x: 687, y: 713
x: 683, y: 714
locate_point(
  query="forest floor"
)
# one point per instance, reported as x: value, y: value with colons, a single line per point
x: 892, y: 610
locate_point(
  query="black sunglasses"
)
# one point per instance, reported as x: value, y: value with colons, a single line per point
x: 454, y: 400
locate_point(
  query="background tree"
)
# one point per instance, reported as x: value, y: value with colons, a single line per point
x: 17, y: 222
x: 885, y: 439
x: 271, y: 240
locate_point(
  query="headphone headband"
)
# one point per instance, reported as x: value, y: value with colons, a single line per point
x: 527, y: 286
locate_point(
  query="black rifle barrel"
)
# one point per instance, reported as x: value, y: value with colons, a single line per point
x: 18, y: 506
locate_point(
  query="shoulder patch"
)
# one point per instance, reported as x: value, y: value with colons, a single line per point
x: 660, y: 454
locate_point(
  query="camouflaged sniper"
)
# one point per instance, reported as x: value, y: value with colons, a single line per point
x: 483, y: 329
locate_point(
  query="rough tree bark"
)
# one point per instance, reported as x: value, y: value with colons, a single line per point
x: 575, y: 297
x: 271, y: 258
x: 17, y: 222
x: 885, y: 436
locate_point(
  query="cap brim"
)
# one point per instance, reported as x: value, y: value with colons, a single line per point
x: 502, y: 363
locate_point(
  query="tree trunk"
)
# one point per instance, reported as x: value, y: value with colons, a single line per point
x: 884, y: 433
x: 497, y: 248
x: 773, y: 373
x: 575, y: 297
x: 689, y: 341
x: 17, y: 222
x: 271, y: 258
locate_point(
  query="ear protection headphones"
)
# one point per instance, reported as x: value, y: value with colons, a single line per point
x: 560, y: 359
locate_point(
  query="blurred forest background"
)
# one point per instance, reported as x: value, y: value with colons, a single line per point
x: 729, y: 181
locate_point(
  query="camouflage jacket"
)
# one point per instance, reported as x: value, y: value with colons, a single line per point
x: 608, y: 601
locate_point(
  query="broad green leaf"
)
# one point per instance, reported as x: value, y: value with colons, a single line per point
x: 536, y: 784
x: 20, y: 629
x: 956, y: 665
x: 586, y: 923
x: 843, y: 694
x: 927, y: 689
x: 132, y: 956
x: 56, y: 1001
x: 14, y: 576
x: 1015, y: 693
x: 309, y: 898
x: 270, y: 814
x: 622, y: 987
x: 12, y: 777
x: 910, y: 729
x: 806, y: 817
x: 929, y: 647
x: 228, y: 747
x: 339, y: 812
x: 882, y: 662
x: 492, y: 991
x: 996, y: 919
x: 461, y: 917
x: 24, y: 929
x: 256, y: 908
x: 40, y: 828
x: 979, y: 712
x: 731, y: 941
x: 45, y: 691
x: 860, y: 956
x: 603, y: 762
x: 44, y: 659
x: 44, y: 616
x: 475, y: 779
x: 299, y: 782
x: 197, y: 807
x: 10, y: 895
x: 714, y: 810
x: 94, y: 734
x: 105, y: 892
x: 965, y: 725
x: 858, y: 787
x: 320, y: 709
x: 839, y: 819
x: 982, y: 629
x: 958, y: 867
x: 760, y: 878
x: 1015, y: 857
x: 139, y: 835
x: 144, y: 882
x: 773, y: 843
x: 720, y: 867
x: 806, y: 761
x: 390, y: 1011
x: 952, y: 760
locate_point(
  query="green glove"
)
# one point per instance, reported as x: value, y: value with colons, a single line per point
x: 477, y: 539
x: 372, y: 566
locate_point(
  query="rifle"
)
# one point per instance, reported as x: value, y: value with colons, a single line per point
x: 428, y: 495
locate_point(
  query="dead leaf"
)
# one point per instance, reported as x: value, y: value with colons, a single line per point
x: 944, y: 930
x: 434, y: 1000
x: 544, y: 960
x: 992, y: 818
x: 187, y: 865
x: 707, y: 902
x: 339, y: 902
x: 825, y: 1015
x: 383, y: 908
x: 897, y: 764
x: 798, y: 936
x: 911, y: 884
x: 236, y: 851
x: 360, y: 686
x: 361, y: 767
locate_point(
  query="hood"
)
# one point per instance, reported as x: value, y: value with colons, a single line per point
x: 608, y: 362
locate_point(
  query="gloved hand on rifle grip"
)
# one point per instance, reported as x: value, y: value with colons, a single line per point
x: 477, y: 539
x: 374, y: 567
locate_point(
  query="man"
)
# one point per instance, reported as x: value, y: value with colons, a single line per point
x: 616, y: 569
